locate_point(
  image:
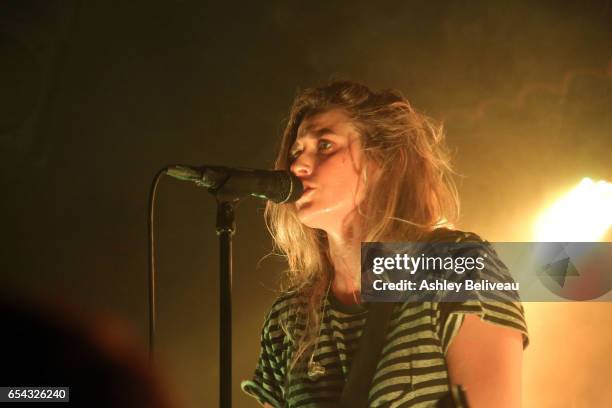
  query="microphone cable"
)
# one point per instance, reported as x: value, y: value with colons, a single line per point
x: 151, y: 256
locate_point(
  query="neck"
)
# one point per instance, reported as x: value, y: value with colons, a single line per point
x: 345, y: 256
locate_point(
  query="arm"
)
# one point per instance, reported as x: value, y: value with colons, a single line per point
x: 486, y: 359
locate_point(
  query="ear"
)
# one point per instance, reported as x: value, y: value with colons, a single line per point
x: 371, y: 172
x: 402, y: 158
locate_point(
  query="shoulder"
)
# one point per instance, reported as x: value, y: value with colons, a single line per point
x: 447, y: 235
x: 465, y: 243
x: 287, y: 304
x: 457, y: 243
x: 283, y: 315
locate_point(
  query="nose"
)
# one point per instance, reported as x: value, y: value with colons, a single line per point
x: 303, y: 165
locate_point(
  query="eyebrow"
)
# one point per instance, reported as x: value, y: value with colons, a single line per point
x: 314, y: 134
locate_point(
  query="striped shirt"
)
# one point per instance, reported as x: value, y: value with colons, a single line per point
x: 411, y: 372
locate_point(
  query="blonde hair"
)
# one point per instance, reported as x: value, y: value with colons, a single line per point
x: 417, y: 196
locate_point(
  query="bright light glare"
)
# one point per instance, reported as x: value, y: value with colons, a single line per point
x: 582, y: 215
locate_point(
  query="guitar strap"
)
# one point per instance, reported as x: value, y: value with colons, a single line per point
x: 357, y: 388
x: 365, y: 360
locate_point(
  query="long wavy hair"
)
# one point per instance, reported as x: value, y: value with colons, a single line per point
x: 418, y: 193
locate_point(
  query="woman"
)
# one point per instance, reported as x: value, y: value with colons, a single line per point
x: 373, y: 169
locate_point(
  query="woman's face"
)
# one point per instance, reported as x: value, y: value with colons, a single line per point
x: 327, y: 157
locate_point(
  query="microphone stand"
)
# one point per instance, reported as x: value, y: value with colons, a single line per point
x: 228, y: 186
x: 226, y: 226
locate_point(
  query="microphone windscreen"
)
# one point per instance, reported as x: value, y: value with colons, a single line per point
x: 291, y: 188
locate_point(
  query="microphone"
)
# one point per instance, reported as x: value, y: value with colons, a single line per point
x: 231, y: 183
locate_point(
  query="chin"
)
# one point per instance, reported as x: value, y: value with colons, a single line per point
x: 326, y: 221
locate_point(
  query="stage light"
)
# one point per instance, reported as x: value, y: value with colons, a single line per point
x: 582, y: 215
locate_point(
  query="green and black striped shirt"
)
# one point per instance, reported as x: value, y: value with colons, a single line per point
x: 412, y: 370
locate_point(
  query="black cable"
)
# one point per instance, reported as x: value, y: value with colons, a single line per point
x: 150, y: 224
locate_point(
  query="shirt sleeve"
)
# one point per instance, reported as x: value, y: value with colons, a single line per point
x: 266, y: 384
x: 506, y: 311
x: 506, y: 314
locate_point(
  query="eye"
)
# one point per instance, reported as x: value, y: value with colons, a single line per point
x: 325, y: 145
x: 294, y: 153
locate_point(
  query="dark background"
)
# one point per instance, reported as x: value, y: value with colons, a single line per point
x: 97, y: 96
